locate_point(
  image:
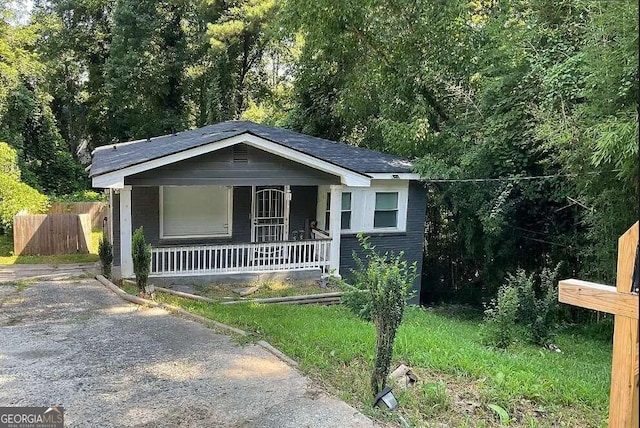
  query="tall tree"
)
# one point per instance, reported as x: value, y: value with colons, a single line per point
x: 26, y: 120
x: 145, y: 69
x: 239, y: 38
x: 75, y: 42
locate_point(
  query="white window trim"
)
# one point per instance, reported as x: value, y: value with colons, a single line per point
x: 363, y: 202
x: 396, y: 209
x: 350, y: 211
x: 217, y: 235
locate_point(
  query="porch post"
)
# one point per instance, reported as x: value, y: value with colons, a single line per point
x: 126, y: 261
x: 335, y: 210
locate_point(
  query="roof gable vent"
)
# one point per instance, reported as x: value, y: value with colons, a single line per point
x: 240, y: 153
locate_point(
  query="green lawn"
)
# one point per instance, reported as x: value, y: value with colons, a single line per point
x: 7, y: 257
x: 459, y: 377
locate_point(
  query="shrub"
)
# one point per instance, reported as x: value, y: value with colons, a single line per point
x: 16, y: 196
x: 9, y: 161
x: 81, y: 196
x: 105, y: 251
x: 518, y: 313
x: 141, y: 253
x: 358, y: 300
x: 386, y: 279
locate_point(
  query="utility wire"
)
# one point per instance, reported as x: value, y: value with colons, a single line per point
x: 517, y: 178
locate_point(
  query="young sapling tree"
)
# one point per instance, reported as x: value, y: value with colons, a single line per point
x: 141, y: 254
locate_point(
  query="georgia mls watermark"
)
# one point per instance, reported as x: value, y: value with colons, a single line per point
x: 32, y: 417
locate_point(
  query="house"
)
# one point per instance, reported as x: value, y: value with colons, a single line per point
x: 238, y: 197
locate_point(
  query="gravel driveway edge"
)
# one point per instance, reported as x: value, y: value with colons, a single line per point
x: 197, y: 318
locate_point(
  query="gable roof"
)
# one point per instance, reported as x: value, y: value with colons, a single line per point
x: 111, y: 158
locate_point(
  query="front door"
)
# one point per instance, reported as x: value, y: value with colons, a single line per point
x: 270, y: 213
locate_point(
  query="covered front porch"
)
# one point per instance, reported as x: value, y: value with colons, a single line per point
x: 204, y: 260
x: 253, y: 229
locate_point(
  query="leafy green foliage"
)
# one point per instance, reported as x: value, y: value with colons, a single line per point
x: 141, y: 254
x: 358, y: 299
x: 26, y: 119
x: 81, y: 196
x: 387, y: 279
x: 105, y: 251
x: 518, y: 314
x: 16, y: 196
x: 9, y: 162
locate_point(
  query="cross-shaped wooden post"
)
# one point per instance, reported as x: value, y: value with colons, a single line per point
x: 623, y: 303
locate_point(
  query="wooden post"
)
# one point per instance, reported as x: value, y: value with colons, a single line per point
x: 620, y: 301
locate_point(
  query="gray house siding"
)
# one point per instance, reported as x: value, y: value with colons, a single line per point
x: 411, y: 241
x: 239, y: 165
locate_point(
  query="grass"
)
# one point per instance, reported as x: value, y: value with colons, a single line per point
x: 462, y: 382
x: 266, y: 289
x: 7, y: 257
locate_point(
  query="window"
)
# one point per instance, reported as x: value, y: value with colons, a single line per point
x: 327, y: 212
x: 195, y: 211
x: 345, y: 215
x: 386, y: 211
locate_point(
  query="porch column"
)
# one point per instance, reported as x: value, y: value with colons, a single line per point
x: 335, y: 214
x: 126, y: 261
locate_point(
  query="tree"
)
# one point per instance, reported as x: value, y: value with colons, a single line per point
x: 141, y: 254
x: 380, y: 292
x: 26, y: 119
x: 145, y: 69
x: 240, y: 38
x: 16, y: 196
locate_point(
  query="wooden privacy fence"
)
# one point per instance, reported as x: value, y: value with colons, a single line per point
x: 51, y: 234
x: 97, y: 210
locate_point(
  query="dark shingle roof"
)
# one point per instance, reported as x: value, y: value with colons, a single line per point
x: 107, y: 158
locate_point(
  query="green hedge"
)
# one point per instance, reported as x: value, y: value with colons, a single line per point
x: 16, y: 196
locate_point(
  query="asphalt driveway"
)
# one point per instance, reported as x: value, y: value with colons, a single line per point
x: 114, y: 364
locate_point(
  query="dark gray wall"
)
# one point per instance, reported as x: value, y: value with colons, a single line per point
x: 145, y: 212
x: 254, y: 167
x: 303, y: 206
x: 411, y: 241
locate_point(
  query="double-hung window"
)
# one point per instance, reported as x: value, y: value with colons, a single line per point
x: 195, y: 211
x: 345, y: 211
x: 386, y: 210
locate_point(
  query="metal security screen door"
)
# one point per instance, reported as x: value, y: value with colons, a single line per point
x: 270, y: 214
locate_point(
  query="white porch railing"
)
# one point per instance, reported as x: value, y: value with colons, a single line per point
x: 250, y: 257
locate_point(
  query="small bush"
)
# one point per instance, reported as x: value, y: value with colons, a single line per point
x: 105, y: 251
x: 81, y: 196
x: 357, y: 300
x: 16, y: 196
x: 141, y: 254
x: 518, y: 313
x: 9, y: 161
x: 382, y: 284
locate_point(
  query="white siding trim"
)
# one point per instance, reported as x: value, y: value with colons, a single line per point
x: 363, y: 202
x: 394, y: 176
x: 126, y: 259
x: 334, y: 220
x: 115, y: 179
